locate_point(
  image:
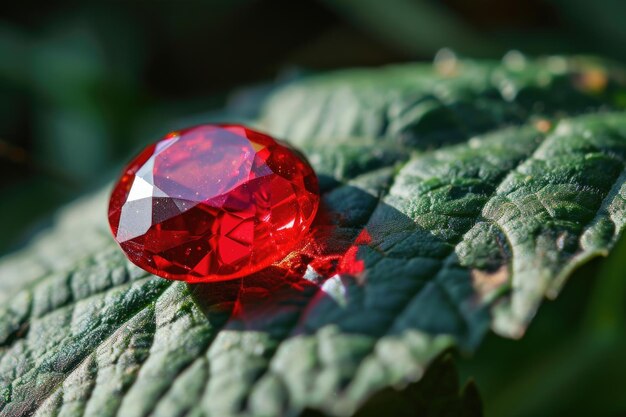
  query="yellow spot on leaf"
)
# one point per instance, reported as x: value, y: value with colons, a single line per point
x: 486, y: 283
x: 592, y: 80
x: 543, y: 125
x: 446, y: 63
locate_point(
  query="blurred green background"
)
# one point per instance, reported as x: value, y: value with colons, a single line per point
x: 84, y: 84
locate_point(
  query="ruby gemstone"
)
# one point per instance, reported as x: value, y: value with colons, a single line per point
x: 213, y: 202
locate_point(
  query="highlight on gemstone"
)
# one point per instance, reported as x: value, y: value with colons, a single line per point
x: 213, y: 202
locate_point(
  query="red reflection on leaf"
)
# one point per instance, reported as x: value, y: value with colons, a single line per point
x: 350, y: 263
x: 330, y: 249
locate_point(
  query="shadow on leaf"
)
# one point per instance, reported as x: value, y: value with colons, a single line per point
x: 367, y: 271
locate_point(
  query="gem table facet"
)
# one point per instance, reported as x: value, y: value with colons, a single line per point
x: 213, y: 202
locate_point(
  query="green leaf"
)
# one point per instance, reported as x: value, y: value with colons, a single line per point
x: 438, y: 393
x: 480, y: 186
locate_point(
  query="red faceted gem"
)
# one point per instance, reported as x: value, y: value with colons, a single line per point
x: 213, y: 202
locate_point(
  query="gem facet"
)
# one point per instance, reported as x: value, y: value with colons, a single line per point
x: 212, y: 202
